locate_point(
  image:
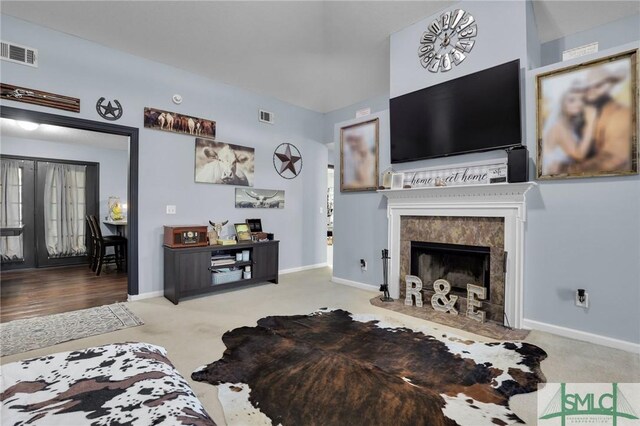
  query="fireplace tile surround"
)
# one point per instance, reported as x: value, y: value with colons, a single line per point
x: 470, y: 231
x: 488, y: 210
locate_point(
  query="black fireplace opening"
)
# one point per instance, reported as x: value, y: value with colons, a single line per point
x: 458, y: 264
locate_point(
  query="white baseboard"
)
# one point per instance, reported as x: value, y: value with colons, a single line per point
x: 302, y: 268
x: 149, y: 295
x: 159, y: 293
x: 355, y: 284
x: 582, y: 335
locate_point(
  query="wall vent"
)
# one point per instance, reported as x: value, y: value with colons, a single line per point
x: 266, y: 116
x: 19, y: 54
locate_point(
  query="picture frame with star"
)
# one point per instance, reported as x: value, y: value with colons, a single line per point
x: 359, y: 156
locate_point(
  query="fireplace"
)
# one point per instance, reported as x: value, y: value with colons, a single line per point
x: 490, y: 215
x: 461, y: 250
x: 457, y: 263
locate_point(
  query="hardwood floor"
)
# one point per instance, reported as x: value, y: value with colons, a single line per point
x: 37, y: 292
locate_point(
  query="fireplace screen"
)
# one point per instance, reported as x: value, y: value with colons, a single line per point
x: 458, y: 264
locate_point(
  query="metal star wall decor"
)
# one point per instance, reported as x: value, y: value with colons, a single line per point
x: 109, y: 111
x: 287, y: 160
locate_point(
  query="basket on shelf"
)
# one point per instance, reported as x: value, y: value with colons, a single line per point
x: 225, y: 276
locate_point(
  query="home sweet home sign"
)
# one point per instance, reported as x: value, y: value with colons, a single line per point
x: 471, y: 175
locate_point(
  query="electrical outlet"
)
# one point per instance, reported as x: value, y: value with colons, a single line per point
x: 363, y: 264
x: 585, y: 302
x: 171, y: 209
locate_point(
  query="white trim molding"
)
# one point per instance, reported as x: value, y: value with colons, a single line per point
x: 572, y: 333
x: 356, y: 284
x: 142, y: 296
x: 488, y: 200
x: 302, y: 268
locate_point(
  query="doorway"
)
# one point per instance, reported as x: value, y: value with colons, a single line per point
x: 131, y: 171
x: 330, y: 195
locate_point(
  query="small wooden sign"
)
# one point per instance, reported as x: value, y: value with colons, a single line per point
x: 38, y: 97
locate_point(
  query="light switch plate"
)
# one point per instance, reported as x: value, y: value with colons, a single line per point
x: 171, y: 209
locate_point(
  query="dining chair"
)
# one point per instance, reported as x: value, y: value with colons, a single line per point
x: 119, y: 244
x: 93, y: 251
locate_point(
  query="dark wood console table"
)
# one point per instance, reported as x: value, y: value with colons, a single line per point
x: 188, y: 271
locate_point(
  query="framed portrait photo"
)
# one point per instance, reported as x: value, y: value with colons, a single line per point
x: 242, y: 231
x: 359, y: 156
x: 587, y: 119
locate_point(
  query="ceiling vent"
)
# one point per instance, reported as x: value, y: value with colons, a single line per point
x: 19, y: 54
x: 266, y: 116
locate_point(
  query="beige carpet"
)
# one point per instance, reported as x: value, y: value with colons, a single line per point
x: 192, y: 330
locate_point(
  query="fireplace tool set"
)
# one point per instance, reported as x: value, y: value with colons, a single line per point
x: 384, y: 287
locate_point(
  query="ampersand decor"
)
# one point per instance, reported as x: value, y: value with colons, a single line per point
x: 414, y: 285
x: 439, y: 301
x: 475, y: 293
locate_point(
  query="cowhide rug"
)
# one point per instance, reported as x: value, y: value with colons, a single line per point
x: 335, y: 368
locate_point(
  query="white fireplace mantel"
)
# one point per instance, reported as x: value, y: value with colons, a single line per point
x: 492, y: 200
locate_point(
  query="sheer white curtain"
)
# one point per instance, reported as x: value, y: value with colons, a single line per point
x: 65, y: 209
x: 11, y: 208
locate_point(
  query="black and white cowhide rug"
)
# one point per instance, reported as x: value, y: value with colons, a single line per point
x: 336, y: 368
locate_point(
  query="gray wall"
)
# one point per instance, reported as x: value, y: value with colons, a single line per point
x: 579, y: 234
x: 360, y: 218
x: 76, y: 67
x: 610, y: 35
x: 582, y: 233
x: 114, y: 164
x: 501, y: 38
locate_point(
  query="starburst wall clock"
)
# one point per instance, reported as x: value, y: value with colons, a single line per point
x: 447, y: 41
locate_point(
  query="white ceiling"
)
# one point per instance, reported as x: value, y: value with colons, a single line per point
x: 46, y: 132
x: 322, y: 55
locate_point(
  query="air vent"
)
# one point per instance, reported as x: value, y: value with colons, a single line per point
x: 19, y: 54
x: 266, y: 116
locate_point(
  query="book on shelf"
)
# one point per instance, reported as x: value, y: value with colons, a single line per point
x: 222, y: 262
x: 227, y: 242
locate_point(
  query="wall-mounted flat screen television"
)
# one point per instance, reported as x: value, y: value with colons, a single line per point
x: 476, y: 112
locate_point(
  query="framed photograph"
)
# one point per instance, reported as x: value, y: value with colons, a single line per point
x: 359, y: 156
x: 179, y: 123
x: 242, y: 231
x: 224, y: 163
x: 587, y: 119
x: 259, y: 198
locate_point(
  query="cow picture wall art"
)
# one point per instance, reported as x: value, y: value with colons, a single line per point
x: 259, y: 198
x: 223, y: 163
x: 179, y: 123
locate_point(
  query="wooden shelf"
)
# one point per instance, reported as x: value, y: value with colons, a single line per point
x: 232, y: 265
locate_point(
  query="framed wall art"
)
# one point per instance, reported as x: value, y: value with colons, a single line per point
x: 224, y: 163
x: 38, y: 97
x: 242, y: 231
x: 259, y: 198
x: 587, y: 119
x: 179, y: 123
x: 359, y: 156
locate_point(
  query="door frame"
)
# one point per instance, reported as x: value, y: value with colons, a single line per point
x: 114, y: 129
